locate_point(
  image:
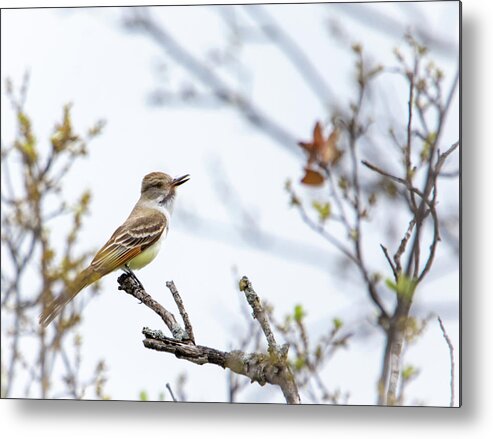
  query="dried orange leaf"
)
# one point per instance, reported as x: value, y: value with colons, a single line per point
x: 318, y: 135
x: 330, y: 154
x: 321, y: 150
x: 312, y: 178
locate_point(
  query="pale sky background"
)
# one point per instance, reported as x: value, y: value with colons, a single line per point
x: 85, y: 57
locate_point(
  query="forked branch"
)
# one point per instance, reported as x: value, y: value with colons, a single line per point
x: 262, y: 367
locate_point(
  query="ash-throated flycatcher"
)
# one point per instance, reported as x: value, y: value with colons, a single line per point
x: 134, y: 244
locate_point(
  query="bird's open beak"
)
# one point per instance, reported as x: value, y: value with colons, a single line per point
x: 180, y: 180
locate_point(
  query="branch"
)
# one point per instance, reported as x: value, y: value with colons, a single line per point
x: 452, y: 363
x: 373, y: 18
x: 132, y: 286
x: 181, y: 309
x: 258, y: 312
x: 393, y: 177
x: 296, y: 54
x: 171, y: 392
x: 357, y: 259
x: 278, y: 355
x: 443, y: 157
x: 403, y: 244
x: 256, y: 366
x: 386, y: 253
x: 221, y: 89
x: 271, y: 367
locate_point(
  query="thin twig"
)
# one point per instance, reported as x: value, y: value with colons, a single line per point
x: 181, y: 309
x: 392, y: 177
x: 443, y: 156
x: 435, y: 240
x: 403, y: 244
x: 272, y: 368
x: 219, y: 87
x: 386, y: 253
x: 450, y: 174
x: 430, y: 184
x: 320, y: 229
x: 452, y: 363
x: 408, y: 147
x: 278, y: 355
x: 171, y: 392
x: 258, y: 312
x: 131, y: 286
x: 432, y: 209
x: 296, y: 54
x: 336, y: 197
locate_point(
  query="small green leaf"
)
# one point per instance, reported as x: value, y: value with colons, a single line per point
x: 391, y: 284
x: 143, y: 395
x: 343, y: 183
x: 337, y: 323
x: 406, y: 286
x: 299, y: 313
x: 353, y: 234
x: 390, y: 188
x: 422, y: 50
x: 409, y: 372
x: 323, y: 209
x: 427, y: 146
x: 299, y: 363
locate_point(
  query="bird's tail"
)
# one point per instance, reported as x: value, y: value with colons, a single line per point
x: 52, y: 309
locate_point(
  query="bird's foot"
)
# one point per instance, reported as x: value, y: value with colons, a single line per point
x: 130, y: 273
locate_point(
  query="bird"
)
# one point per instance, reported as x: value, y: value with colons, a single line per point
x: 133, y: 245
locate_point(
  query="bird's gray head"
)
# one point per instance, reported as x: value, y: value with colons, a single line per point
x: 161, y: 187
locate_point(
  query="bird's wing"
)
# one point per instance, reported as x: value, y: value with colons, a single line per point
x: 129, y: 240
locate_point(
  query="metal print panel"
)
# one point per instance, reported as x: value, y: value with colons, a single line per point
x: 235, y: 203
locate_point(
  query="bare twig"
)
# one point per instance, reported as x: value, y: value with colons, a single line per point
x: 392, y: 177
x: 386, y: 253
x: 181, y: 309
x: 356, y: 258
x: 263, y: 368
x: 384, y: 23
x: 320, y: 229
x: 443, y: 157
x: 171, y: 392
x: 219, y: 87
x: 402, y: 246
x: 258, y: 312
x: 335, y: 195
x: 297, y: 56
x: 452, y: 362
x: 408, y: 147
x: 450, y: 174
x: 259, y: 367
x: 131, y: 286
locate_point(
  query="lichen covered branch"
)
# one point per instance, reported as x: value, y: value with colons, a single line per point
x: 262, y: 367
x: 181, y: 309
x: 132, y: 286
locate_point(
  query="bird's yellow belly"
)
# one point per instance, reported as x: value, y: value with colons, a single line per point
x: 145, y: 257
